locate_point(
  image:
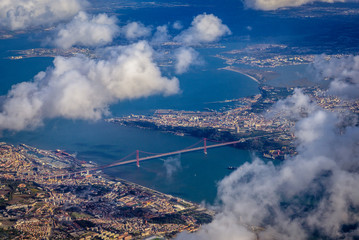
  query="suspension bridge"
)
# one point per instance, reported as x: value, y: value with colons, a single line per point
x: 126, y: 160
x: 160, y: 155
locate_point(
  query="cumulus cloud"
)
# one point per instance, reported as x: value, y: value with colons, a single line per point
x: 314, y: 193
x: 204, y: 28
x: 21, y: 14
x: 294, y: 107
x: 343, y: 74
x: 267, y: 5
x: 83, y: 88
x: 184, y: 58
x: 135, y: 30
x: 86, y: 30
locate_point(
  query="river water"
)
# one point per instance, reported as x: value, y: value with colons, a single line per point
x: 192, y: 176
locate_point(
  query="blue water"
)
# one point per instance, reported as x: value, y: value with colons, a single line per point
x: 197, y: 89
x: 104, y: 143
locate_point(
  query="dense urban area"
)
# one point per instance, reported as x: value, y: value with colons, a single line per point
x: 266, y: 131
x: 271, y: 56
x: 50, y: 195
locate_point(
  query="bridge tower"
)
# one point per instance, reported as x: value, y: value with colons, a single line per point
x: 138, y: 158
x: 205, y: 145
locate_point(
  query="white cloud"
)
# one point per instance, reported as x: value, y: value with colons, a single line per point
x: 21, y: 14
x: 313, y: 192
x: 268, y: 5
x: 294, y: 107
x: 204, y: 28
x: 184, y: 58
x: 135, y: 30
x: 161, y: 35
x: 86, y: 30
x: 82, y: 88
x: 343, y: 74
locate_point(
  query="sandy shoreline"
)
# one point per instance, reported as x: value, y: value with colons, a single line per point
x: 229, y: 68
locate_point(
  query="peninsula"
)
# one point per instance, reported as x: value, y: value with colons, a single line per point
x: 244, y: 118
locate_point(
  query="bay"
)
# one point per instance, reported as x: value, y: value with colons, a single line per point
x: 192, y: 176
x: 104, y: 142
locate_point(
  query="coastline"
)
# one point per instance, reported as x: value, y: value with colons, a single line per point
x: 230, y: 68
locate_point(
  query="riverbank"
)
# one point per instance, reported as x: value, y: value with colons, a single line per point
x: 265, y: 143
x: 85, y: 204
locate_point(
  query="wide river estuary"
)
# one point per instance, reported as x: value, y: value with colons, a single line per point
x: 192, y: 176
